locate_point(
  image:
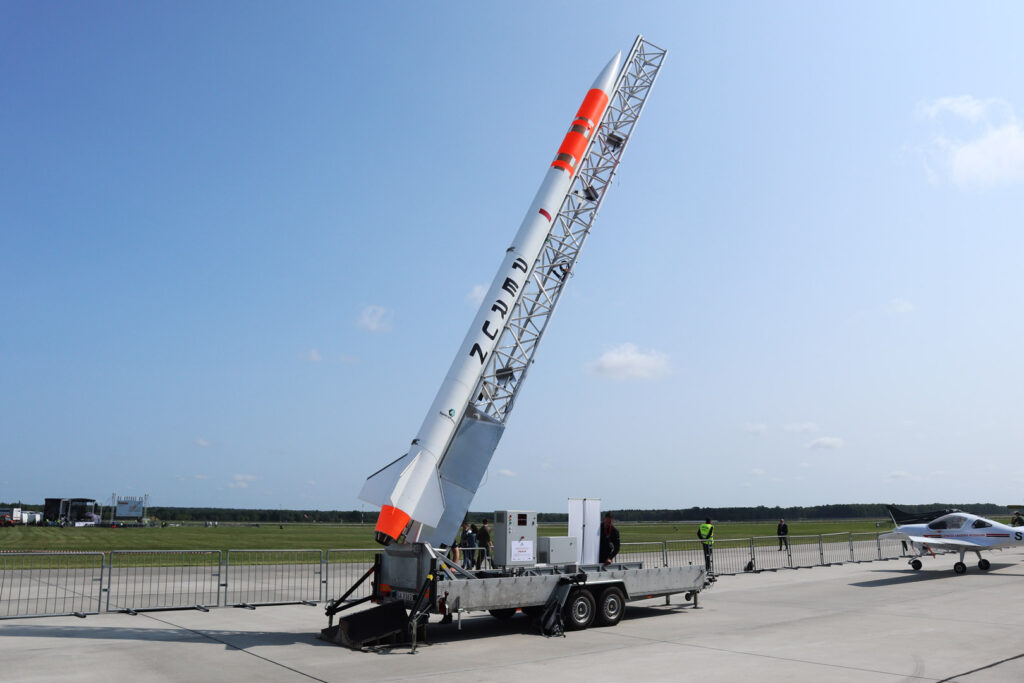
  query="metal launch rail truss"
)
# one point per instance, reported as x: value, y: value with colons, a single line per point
x: 507, y: 366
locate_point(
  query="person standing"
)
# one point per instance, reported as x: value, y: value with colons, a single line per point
x: 468, y: 543
x: 1017, y: 520
x: 706, y: 534
x: 608, y: 544
x: 483, y: 539
x: 783, y: 532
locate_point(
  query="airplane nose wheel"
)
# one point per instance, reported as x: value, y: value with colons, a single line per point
x: 983, y: 565
x: 916, y: 564
x: 960, y: 568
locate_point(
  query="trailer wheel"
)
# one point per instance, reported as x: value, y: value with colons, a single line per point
x: 503, y: 614
x: 610, y: 606
x: 579, y: 610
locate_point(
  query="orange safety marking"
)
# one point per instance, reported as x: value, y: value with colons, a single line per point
x: 575, y: 141
x: 391, y: 521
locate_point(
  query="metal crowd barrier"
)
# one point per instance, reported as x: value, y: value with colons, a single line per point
x: 55, y: 584
x: 866, y: 547
x: 50, y: 584
x: 652, y: 554
x: 140, y: 580
x: 273, y: 577
x: 344, y: 568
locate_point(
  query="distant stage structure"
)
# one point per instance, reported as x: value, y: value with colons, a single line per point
x: 425, y: 494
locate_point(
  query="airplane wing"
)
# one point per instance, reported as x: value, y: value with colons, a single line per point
x: 946, y: 543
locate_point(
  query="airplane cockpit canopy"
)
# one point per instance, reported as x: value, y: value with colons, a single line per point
x: 948, y: 522
x: 981, y: 524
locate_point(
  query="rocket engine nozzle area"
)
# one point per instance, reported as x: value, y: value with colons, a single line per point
x: 391, y: 524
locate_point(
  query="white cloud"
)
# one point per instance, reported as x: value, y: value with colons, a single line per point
x: 988, y: 153
x: 241, y: 481
x: 375, y: 319
x: 546, y: 466
x: 805, y: 465
x: 757, y: 472
x: 900, y: 306
x: 755, y: 428
x: 801, y: 427
x: 200, y: 476
x: 506, y: 473
x: 202, y: 443
x: 626, y: 361
x: 476, y: 295
x: 826, y: 442
x: 313, y: 356
x: 963, y: 106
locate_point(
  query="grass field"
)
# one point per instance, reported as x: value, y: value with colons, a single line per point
x: 328, y: 537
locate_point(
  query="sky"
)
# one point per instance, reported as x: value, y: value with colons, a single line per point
x: 241, y: 242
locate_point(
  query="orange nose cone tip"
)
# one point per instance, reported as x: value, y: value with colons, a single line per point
x: 390, y: 524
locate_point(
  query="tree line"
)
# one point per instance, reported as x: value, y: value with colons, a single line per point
x: 759, y: 513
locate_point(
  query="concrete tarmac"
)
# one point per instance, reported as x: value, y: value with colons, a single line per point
x: 877, y: 621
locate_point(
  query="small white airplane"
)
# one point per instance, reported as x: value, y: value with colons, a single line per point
x: 953, y: 530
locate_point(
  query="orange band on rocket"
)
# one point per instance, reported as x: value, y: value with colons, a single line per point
x: 575, y: 142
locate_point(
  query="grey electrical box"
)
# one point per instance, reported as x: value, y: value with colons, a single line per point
x: 515, y: 538
x: 556, y: 549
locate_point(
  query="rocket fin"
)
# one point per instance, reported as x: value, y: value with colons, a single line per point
x: 378, y: 486
x: 430, y: 506
x: 462, y: 470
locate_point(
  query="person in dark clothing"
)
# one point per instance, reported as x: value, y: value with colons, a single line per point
x: 783, y: 532
x: 468, y: 546
x: 706, y: 534
x: 609, y: 540
x: 483, y: 539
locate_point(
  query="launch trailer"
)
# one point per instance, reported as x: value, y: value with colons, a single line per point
x: 413, y: 580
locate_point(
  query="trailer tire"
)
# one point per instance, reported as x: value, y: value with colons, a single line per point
x: 503, y: 614
x: 579, y: 610
x: 610, y: 606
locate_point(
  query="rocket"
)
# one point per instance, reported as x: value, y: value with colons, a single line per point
x: 425, y: 494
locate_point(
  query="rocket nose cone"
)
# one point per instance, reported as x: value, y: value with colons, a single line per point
x: 606, y: 79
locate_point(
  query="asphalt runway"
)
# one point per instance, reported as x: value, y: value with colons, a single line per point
x: 877, y: 621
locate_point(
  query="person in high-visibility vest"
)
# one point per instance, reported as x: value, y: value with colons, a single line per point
x: 706, y: 534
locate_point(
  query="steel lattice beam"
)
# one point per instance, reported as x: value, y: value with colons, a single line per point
x: 508, y: 365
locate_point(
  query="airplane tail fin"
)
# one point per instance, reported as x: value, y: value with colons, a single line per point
x: 900, y: 517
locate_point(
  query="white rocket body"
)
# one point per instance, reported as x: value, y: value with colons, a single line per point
x: 415, y: 483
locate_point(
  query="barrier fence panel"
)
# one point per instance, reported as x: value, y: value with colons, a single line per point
x: 731, y: 556
x: 50, y: 584
x: 890, y: 548
x: 771, y: 553
x: 865, y: 547
x: 344, y: 568
x: 273, y: 577
x: 163, y: 579
x: 651, y: 553
x: 684, y: 553
x: 835, y: 548
x: 805, y: 551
